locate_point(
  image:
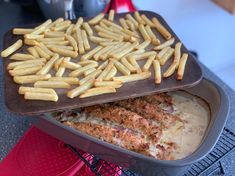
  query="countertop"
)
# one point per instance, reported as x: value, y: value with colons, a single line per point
x: 13, y: 126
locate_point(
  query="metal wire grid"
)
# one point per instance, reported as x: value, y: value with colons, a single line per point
x: 209, y: 165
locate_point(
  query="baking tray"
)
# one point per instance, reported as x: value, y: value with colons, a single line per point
x: 207, y: 90
x: 17, y: 104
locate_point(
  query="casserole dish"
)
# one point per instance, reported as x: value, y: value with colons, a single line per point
x: 207, y: 90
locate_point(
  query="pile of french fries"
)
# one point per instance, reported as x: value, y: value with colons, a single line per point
x: 59, y: 55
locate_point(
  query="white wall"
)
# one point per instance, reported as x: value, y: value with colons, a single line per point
x: 204, y: 27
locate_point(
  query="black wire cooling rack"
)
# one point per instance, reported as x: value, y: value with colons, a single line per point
x: 209, y: 165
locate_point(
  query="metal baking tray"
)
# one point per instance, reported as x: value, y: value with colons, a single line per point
x: 207, y: 90
x: 17, y: 104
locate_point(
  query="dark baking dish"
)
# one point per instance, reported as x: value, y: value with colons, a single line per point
x: 209, y: 91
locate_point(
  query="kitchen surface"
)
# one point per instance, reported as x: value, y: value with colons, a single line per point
x: 205, y: 29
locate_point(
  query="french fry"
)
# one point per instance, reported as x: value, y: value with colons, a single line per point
x: 109, y: 36
x: 57, y: 21
x: 157, y: 71
x: 92, y: 75
x: 135, y: 64
x: 114, y: 84
x: 70, y: 65
x: 97, y: 91
x: 87, y: 72
x: 120, y: 48
x: 53, y: 34
x: 58, y: 63
x: 11, y: 49
x: 69, y: 80
x: 171, y: 69
x: 33, y: 36
x: 87, y: 28
x: 80, y: 71
x: 165, y: 44
x: 144, y: 33
x: 12, y: 65
x: 134, y: 53
x: 52, y: 84
x: 129, y: 17
x: 133, y: 77
x: 80, y: 41
x: 107, y: 31
x: 40, y: 96
x: 105, y: 71
x: 79, y: 90
x: 103, y: 65
x: 161, y: 53
x: 46, y: 68
x: 33, y: 52
x: 111, y: 15
x: 147, y: 21
x: 143, y: 45
x: 138, y: 18
x: 108, y: 43
x: 23, y: 90
x: 154, y: 39
x: 21, y: 31
x: 110, y: 74
x: 65, y: 52
x: 122, y: 21
x: 60, y: 46
x: 130, y: 67
x: 130, y: 25
x: 61, y: 26
x: 30, y: 78
x: 53, y: 42
x: 161, y: 29
x: 125, y: 50
x: 181, y: 67
x: 72, y: 42
x: 95, y: 39
x: 29, y: 65
x: 177, y: 53
x: 69, y: 30
x: 109, y: 50
x: 45, y: 49
x: 143, y: 55
x: 22, y: 57
x: 86, y: 62
x: 109, y: 23
x: 78, y: 24
x: 61, y: 70
x: 38, y: 30
x: 30, y: 42
x: 45, y: 24
x: 96, y: 19
x: 42, y: 53
x: 148, y: 63
x: 97, y: 55
x: 25, y: 71
x: 85, y: 40
x: 166, y: 56
x: 120, y: 67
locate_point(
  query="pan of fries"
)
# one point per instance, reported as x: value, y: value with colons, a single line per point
x: 65, y: 64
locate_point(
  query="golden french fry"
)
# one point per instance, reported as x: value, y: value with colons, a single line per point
x: 157, y: 71
x: 57, y: 21
x: 53, y: 34
x: 122, y: 21
x: 144, y: 33
x: 23, y: 90
x: 130, y: 25
x: 130, y: 67
x: 28, y: 65
x: 30, y: 78
x: 33, y: 52
x: 147, y: 21
x: 69, y: 80
x: 97, y: 91
x: 129, y: 17
x: 92, y: 75
x: 109, y: 36
x: 134, y: 53
x: 30, y: 42
x: 60, y: 46
x: 107, y: 31
x: 95, y: 39
x: 33, y: 36
x: 125, y: 51
x: 63, y: 26
x: 45, y: 49
x: 45, y: 24
x: 96, y: 19
x: 85, y: 40
x: 103, y: 65
x: 11, y: 49
x: 166, y: 56
x: 143, y: 45
x: 120, y: 67
x: 161, y: 29
x: 78, y: 24
x: 118, y: 49
x: 107, y: 52
x: 80, y: 71
x: 165, y: 44
x: 154, y: 39
x: 72, y: 42
x: 97, y: 55
x: 143, y: 55
x: 138, y: 18
x: 135, y: 64
x: 105, y: 71
x: 25, y: 71
x: 40, y: 96
x: 46, y: 68
x: 57, y: 63
x: 110, y: 74
x: 177, y: 53
x: 21, y: 31
x: 161, y: 53
x: 52, y: 84
x: 81, y: 48
x: 87, y: 72
x: 133, y: 77
x: 87, y: 28
x: 22, y: 57
x: 42, y: 53
x: 61, y: 70
x: 12, y: 65
x: 170, y: 70
x: 82, y: 88
x: 111, y: 15
x: 38, y: 30
x: 181, y: 67
x: 69, y: 29
x: 86, y: 62
x: 109, y: 23
x: 65, y: 52
x: 54, y: 42
x: 114, y: 84
x: 148, y: 63
x: 70, y: 65
x: 108, y: 43
x: 91, y: 53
